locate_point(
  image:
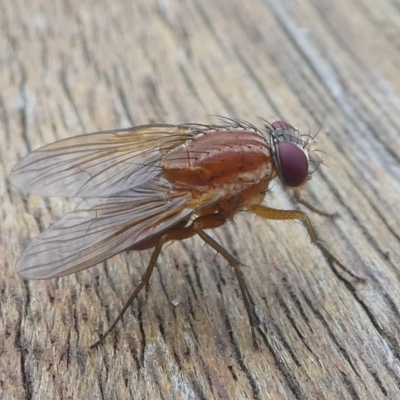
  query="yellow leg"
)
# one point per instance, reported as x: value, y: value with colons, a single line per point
x: 273, y: 213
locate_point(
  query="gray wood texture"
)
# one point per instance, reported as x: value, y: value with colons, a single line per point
x: 70, y: 67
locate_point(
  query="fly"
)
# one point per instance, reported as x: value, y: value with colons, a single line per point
x: 145, y: 186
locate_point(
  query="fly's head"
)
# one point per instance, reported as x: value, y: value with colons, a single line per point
x: 294, y: 156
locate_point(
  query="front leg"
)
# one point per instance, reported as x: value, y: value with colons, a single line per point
x: 276, y: 214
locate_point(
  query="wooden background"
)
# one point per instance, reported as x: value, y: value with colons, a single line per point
x: 69, y: 67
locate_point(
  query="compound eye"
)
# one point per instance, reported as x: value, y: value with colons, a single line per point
x: 281, y: 125
x: 293, y: 164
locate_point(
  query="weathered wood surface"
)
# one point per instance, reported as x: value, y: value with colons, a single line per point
x: 75, y: 66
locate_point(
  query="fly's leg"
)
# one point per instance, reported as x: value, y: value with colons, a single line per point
x: 196, y: 227
x: 311, y: 207
x: 173, y: 234
x: 143, y: 282
x: 213, y: 221
x: 249, y: 305
x: 276, y: 214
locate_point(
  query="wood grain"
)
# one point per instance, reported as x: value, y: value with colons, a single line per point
x: 77, y: 66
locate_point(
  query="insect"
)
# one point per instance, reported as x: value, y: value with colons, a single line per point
x: 148, y: 185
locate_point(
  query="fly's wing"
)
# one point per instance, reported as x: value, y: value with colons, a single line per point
x: 98, y: 164
x: 100, y: 228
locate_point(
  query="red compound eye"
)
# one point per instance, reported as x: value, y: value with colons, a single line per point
x: 281, y: 125
x: 293, y: 164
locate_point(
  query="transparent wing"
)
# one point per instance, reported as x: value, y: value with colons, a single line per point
x: 100, y: 228
x: 98, y: 164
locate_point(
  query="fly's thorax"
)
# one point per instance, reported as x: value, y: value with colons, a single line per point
x: 231, y: 198
x: 219, y: 157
